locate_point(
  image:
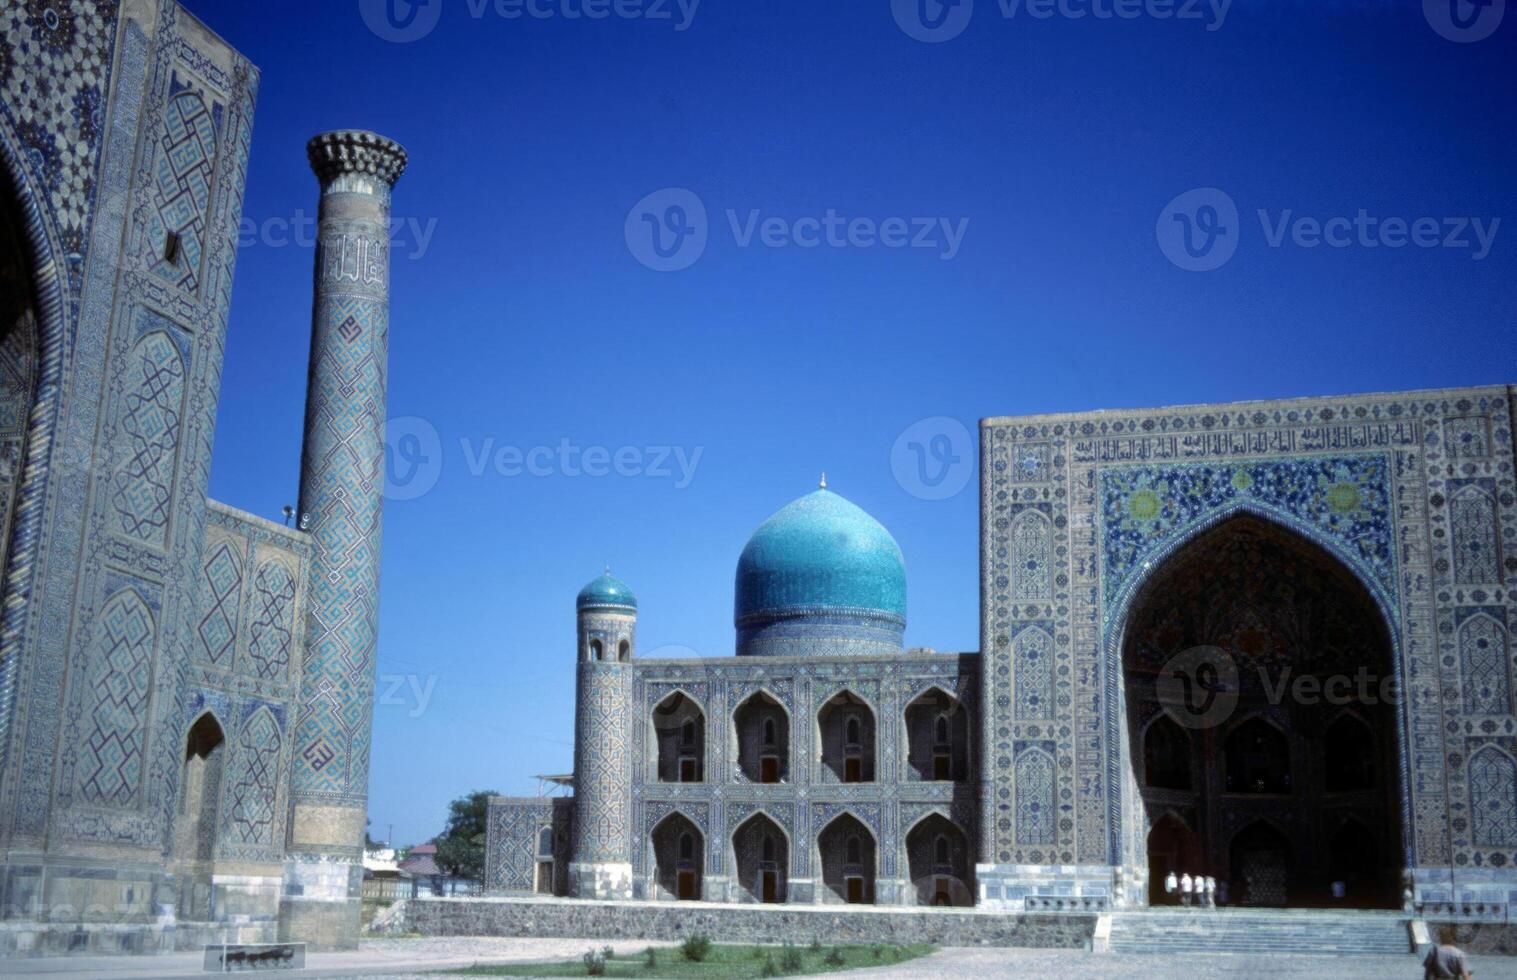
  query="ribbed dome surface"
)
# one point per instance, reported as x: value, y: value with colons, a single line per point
x: 821, y: 555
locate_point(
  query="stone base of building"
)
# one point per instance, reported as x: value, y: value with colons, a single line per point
x: 1079, y: 889
x: 322, y: 903
x: 605, y: 882
x: 567, y: 918
x: 30, y: 938
x: 1463, y: 894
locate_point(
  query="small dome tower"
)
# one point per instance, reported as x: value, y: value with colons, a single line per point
x: 600, y: 864
x: 607, y: 612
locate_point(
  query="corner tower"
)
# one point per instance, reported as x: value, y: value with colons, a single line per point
x: 600, y: 865
x: 341, y: 492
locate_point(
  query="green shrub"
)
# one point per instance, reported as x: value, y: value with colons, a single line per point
x: 595, y: 964
x: 696, y: 948
x: 650, y: 958
x: 877, y: 950
x: 790, y: 959
x: 769, y: 969
x: 834, y: 957
x: 816, y: 945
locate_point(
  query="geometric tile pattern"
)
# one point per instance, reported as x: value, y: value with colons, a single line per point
x: 183, y: 170
x: 222, y: 568
x: 272, y: 630
x: 1035, y: 796
x: 151, y: 418
x: 1473, y: 522
x: 66, y: 42
x: 253, y: 783
x: 1033, y: 670
x: 112, y: 766
x: 1493, y: 798
x: 1485, y: 665
x: 1031, y: 544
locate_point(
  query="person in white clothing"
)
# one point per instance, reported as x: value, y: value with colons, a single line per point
x: 1171, y: 886
x: 1211, y: 892
x: 1187, y: 888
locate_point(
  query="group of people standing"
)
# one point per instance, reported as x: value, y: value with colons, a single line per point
x: 1198, y: 890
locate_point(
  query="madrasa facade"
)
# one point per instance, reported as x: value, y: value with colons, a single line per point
x: 185, y: 688
x: 1267, y: 642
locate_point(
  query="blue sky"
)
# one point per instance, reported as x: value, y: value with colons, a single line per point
x: 1003, y: 241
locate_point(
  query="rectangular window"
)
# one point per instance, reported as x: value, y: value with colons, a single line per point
x: 853, y: 770
x: 689, y: 772
x: 942, y: 766
x: 855, y: 891
x: 544, y: 878
x: 769, y: 769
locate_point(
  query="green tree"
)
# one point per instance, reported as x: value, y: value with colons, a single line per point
x: 461, y: 848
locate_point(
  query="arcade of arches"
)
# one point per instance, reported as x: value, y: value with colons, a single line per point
x: 1291, y: 798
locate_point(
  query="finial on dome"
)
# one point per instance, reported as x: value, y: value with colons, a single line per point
x: 824, y: 480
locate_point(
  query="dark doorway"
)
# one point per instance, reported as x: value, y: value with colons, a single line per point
x: 1172, y: 847
x: 1261, y: 866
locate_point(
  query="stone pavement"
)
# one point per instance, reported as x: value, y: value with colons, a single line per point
x: 374, y: 958
x: 410, y: 959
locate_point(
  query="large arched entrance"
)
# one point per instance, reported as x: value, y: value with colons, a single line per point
x: 1260, y: 702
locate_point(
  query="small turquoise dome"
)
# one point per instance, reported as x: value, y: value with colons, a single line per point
x: 820, y: 576
x: 606, y: 592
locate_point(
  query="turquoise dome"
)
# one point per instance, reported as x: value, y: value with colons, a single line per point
x: 821, y: 569
x: 606, y: 592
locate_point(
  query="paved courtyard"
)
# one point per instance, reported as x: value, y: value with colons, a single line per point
x: 414, y: 959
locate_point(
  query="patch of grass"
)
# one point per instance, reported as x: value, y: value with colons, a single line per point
x: 721, y: 962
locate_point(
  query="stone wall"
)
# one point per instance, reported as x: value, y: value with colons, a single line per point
x: 564, y: 918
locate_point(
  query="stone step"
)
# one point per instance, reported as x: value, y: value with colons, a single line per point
x: 1211, y: 931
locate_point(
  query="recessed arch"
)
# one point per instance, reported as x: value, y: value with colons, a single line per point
x: 846, y: 738
x: 847, y: 853
x: 761, y: 854
x: 1167, y: 754
x: 1279, y: 606
x: 937, y: 737
x: 679, y: 862
x: 198, y: 811
x: 46, y: 284
x: 939, y: 861
x: 761, y: 738
x: 679, y: 738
